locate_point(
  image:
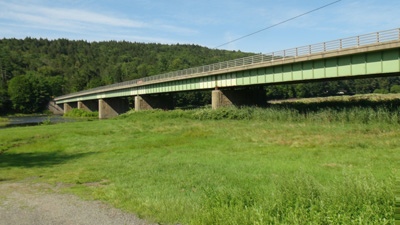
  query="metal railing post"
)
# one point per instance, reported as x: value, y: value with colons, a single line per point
x: 341, y: 44
x: 358, y: 41
x: 309, y: 49
x: 377, y: 37
x: 297, y: 52
x: 324, y: 46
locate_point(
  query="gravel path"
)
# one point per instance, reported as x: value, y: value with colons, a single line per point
x: 24, y: 203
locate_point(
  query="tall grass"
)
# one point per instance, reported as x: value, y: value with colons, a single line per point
x: 361, y: 115
x: 300, y: 199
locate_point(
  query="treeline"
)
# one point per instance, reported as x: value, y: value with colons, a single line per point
x: 34, y: 70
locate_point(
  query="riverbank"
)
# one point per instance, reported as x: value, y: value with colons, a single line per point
x: 282, y: 165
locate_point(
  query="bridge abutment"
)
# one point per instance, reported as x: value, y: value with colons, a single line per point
x: 112, y: 107
x: 56, y: 109
x: 90, y: 105
x: 244, y: 97
x: 148, y: 102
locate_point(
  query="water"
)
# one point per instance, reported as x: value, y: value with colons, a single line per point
x: 34, y: 120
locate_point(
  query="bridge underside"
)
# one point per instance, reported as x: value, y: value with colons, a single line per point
x: 366, y: 64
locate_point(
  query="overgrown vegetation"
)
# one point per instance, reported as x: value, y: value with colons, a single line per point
x: 347, y: 110
x: 81, y: 113
x: 291, y: 163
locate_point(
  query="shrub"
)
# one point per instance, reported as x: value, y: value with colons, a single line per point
x: 395, y: 89
x: 81, y: 113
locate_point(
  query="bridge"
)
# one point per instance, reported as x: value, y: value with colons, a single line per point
x: 237, y: 82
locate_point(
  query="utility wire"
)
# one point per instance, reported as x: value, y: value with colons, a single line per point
x: 279, y: 23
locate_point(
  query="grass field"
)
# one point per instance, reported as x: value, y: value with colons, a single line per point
x: 286, y: 164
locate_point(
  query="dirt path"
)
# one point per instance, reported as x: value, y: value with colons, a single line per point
x: 23, y: 203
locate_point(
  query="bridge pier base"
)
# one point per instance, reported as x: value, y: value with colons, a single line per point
x: 245, y: 97
x: 112, y: 107
x: 68, y: 106
x: 148, y: 102
x: 91, y: 105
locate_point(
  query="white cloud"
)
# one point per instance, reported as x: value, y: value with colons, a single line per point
x: 63, y: 16
x: 84, y: 22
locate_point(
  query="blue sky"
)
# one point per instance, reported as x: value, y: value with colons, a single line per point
x: 204, y: 22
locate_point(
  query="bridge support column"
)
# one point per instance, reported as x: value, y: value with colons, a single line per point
x: 112, y: 107
x: 245, y: 97
x: 147, y: 102
x: 90, y: 105
x: 68, y: 106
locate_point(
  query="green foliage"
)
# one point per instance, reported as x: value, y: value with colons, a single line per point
x: 29, y: 93
x: 395, y: 89
x: 4, y: 101
x: 381, y: 91
x: 81, y: 113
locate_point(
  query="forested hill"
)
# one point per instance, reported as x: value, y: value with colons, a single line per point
x: 34, y: 70
x: 67, y: 66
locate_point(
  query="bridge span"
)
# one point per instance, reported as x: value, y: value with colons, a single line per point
x: 236, y: 82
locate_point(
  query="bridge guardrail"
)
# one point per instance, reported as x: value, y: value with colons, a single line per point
x: 355, y: 41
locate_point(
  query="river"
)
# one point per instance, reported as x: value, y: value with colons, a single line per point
x: 34, y: 120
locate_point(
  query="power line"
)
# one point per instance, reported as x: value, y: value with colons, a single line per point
x: 279, y: 23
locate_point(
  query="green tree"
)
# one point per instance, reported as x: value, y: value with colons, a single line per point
x: 29, y: 93
x: 4, y: 102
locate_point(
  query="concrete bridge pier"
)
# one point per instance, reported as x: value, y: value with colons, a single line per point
x: 148, y: 102
x: 112, y: 107
x: 242, y: 97
x: 68, y: 106
x: 90, y: 105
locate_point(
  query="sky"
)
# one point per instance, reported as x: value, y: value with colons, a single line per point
x: 208, y: 23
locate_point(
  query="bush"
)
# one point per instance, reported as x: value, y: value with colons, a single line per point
x: 395, y: 89
x: 81, y: 113
x: 381, y: 91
